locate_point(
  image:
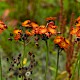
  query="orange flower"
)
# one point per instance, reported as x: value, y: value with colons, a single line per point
x: 17, y: 34
x: 29, y: 33
x: 17, y: 37
x: 62, y: 42
x: 77, y: 22
x: 78, y: 25
x: 34, y: 25
x: 36, y: 30
x: 42, y: 29
x: 78, y: 19
x: 51, y: 24
x: 26, y: 23
x: 51, y: 18
x: 74, y: 31
x: 58, y: 39
x: 52, y: 31
x: 78, y: 33
x: 17, y: 31
x: 2, y: 27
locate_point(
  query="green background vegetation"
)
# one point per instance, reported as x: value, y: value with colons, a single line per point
x: 14, y: 12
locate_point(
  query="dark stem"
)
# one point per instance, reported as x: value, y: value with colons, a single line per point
x: 57, y: 64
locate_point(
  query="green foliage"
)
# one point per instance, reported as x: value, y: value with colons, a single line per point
x: 36, y: 10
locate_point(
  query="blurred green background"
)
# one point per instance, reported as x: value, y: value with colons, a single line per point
x: 14, y: 12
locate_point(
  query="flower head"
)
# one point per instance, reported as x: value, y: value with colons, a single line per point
x: 2, y: 26
x: 29, y: 33
x: 58, y: 39
x: 34, y: 25
x: 26, y: 23
x: 74, y: 31
x: 50, y: 18
x: 77, y: 22
x: 52, y: 31
x: 42, y: 29
x: 17, y: 34
x: 62, y: 42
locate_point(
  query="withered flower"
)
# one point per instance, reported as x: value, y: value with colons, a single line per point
x: 22, y: 71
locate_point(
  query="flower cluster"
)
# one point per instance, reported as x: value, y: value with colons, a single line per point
x: 35, y: 29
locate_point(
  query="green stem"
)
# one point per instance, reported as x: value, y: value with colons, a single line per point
x: 1, y: 66
x: 16, y: 77
x: 23, y: 52
x: 57, y: 64
x: 78, y: 68
x: 23, y: 55
x: 47, y: 58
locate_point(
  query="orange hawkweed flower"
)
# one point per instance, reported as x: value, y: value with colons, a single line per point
x: 35, y: 30
x: 17, y: 31
x: 42, y: 29
x: 78, y: 25
x: 51, y: 24
x: 74, y: 30
x: 78, y: 33
x: 34, y: 25
x: 17, y: 34
x: 52, y: 31
x: 26, y: 23
x: 17, y: 37
x: 58, y: 39
x: 51, y: 18
x: 77, y: 22
x: 2, y: 26
x: 62, y: 42
x: 78, y: 19
x: 29, y: 33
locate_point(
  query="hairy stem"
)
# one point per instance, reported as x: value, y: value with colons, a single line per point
x: 78, y: 69
x: 57, y: 64
x: 47, y: 58
x: 23, y: 55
